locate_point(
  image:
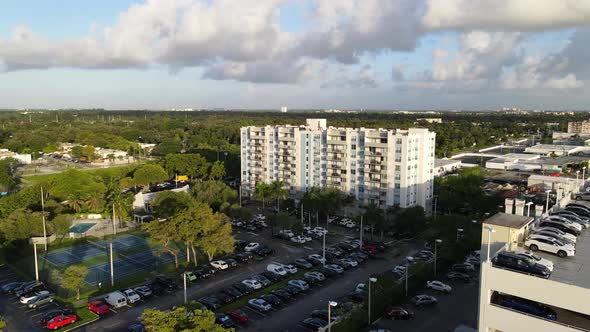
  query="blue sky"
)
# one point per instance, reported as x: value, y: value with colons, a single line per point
x: 371, y: 54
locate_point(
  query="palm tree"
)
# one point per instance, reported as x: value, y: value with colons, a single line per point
x: 93, y: 201
x: 263, y: 192
x: 121, y: 202
x: 75, y: 202
x: 278, y: 191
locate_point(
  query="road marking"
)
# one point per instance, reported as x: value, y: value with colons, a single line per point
x: 308, y: 248
x: 113, y: 310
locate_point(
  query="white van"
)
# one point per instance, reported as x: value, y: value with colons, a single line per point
x: 276, y: 268
x: 116, y: 299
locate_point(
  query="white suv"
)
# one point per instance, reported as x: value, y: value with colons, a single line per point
x: 545, y: 243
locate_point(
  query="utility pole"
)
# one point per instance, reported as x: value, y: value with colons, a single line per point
x: 36, y: 263
x: 112, y: 269
x: 114, y: 221
x: 324, y: 250
x: 302, y: 213
x: 43, y: 217
x: 184, y: 279
x: 240, y: 190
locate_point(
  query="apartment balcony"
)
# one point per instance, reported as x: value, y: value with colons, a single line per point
x: 332, y: 157
x: 373, y: 153
x: 377, y: 170
x: 284, y: 152
x: 335, y: 165
x: 287, y: 138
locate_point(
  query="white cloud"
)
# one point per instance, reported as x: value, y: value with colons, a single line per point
x: 507, y: 15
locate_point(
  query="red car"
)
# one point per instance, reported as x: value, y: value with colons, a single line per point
x: 237, y: 315
x: 98, y: 307
x: 61, y: 321
x: 371, y: 249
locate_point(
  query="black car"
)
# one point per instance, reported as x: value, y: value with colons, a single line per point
x: 271, y: 276
x: 272, y: 299
x: 202, y: 272
x: 302, y: 263
x: 282, y: 294
x: 243, y: 288
x: 231, y: 262
x: 458, y: 276
x: 356, y: 296
x: 240, y: 244
x: 263, y: 250
x: 166, y: 282
x: 292, y: 290
x: 327, y: 272
x: 311, y: 281
x: 560, y: 226
x: 224, y: 298
x: 236, y: 294
x: 262, y: 279
x: 156, y: 288
x: 223, y: 320
x: 210, y: 302
x: 244, y: 257
x: 399, y: 313
x: 10, y: 287
x: 30, y: 288
x: 512, y: 261
x: 314, y: 324
x: 48, y: 315
x: 321, y: 314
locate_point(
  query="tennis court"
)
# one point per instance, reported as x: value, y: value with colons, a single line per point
x: 82, y: 252
x: 126, y: 265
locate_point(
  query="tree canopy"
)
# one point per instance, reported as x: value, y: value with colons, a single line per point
x: 73, y: 278
x: 181, y: 319
x: 148, y: 174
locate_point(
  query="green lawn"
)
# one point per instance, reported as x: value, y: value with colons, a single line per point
x: 85, y: 317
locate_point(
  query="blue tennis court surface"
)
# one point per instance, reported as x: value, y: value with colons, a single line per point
x: 79, y: 253
x: 82, y: 228
x: 127, y: 265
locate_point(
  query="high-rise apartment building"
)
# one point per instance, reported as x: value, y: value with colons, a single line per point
x: 514, y: 299
x: 386, y: 167
x: 582, y: 127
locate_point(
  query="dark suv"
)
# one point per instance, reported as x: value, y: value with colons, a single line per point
x: 513, y: 261
x: 167, y: 283
x: 526, y: 306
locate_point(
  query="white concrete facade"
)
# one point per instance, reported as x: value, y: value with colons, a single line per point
x: 386, y: 167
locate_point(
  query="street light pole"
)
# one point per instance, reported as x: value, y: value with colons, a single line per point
x: 528, y: 214
x: 436, y: 242
x: 577, y: 180
x: 43, y: 217
x: 407, y: 278
x: 371, y: 280
x: 490, y: 231
x: 324, y: 250
x: 112, y: 269
x: 361, y: 238
x: 184, y: 279
x: 547, y: 201
x: 330, y: 305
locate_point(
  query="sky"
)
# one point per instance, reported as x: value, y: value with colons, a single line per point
x: 264, y: 54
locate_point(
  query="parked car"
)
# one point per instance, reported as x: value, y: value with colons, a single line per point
x: 323, y: 315
x: 167, y: 283
x: 234, y: 293
x: 289, y: 268
x: 458, y: 276
x: 50, y: 314
x: 424, y: 300
x: 251, y: 246
x: 136, y: 327
x: 302, y: 263
x: 549, y: 244
x: 439, y: 286
x: 561, y: 226
x: 203, y: 271
x: 98, y: 307
x: 293, y: 290
x: 399, y: 269
x: 566, y: 221
x: 347, y: 262
x: 276, y: 268
x: 243, y: 288
x: 272, y: 299
x: 335, y: 267
x: 220, y: 265
x: 282, y: 294
x: 40, y: 300
x: 231, y: 262
x: 254, y: 284
x: 116, y: 299
x: 399, y: 313
x: 224, y: 297
x: 58, y: 322
x: 298, y: 239
x: 261, y: 279
x: 29, y: 287
x: 545, y: 262
x: 10, y: 287
x: 556, y: 233
x: 131, y: 296
x: 316, y: 259
x: 224, y: 320
x: 302, y: 285
x: 143, y: 291
x: 238, y: 315
x: 263, y: 250
x: 274, y: 277
x: 27, y: 298
x: 244, y: 257
x: 463, y: 267
x: 512, y: 261
x: 315, y: 275
x: 259, y: 305
x: 314, y: 324
x: 526, y: 306
x: 327, y: 272
x: 210, y: 302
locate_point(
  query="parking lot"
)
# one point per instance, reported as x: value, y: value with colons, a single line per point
x: 18, y: 316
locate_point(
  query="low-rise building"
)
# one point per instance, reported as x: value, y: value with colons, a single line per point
x: 141, y: 201
x: 558, y: 303
x: 581, y: 127
x: 557, y: 150
x: 446, y: 166
x: 24, y: 158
